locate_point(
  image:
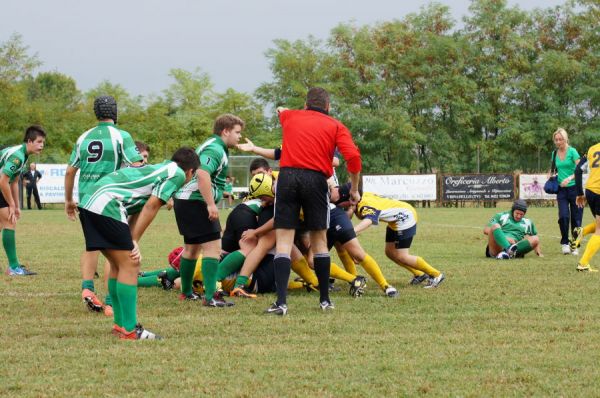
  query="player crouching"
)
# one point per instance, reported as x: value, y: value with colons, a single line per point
x: 103, y: 214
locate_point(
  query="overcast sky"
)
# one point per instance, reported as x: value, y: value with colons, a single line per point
x: 135, y: 43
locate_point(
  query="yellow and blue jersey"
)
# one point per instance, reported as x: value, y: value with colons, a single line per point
x: 593, y: 159
x: 397, y: 214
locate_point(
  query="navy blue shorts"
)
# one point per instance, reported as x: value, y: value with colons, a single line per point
x: 403, y: 238
x: 340, y: 229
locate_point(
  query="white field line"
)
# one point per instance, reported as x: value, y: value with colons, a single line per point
x: 41, y: 294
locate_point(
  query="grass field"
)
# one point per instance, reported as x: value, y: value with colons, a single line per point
x: 512, y: 328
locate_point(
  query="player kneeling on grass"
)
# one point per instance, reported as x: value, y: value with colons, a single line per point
x: 401, y: 218
x: 12, y: 162
x: 103, y: 214
x: 511, y: 235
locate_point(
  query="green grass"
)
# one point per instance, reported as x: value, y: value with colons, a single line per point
x: 512, y: 328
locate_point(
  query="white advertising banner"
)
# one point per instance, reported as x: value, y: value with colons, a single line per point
x: 403, y: 186
x: 531, y: 186
x: 51, y: 187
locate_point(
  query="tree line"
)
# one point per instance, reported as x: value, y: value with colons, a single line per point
x: 422, y: 94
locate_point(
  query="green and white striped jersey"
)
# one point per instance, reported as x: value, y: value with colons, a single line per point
x: 125, y: 192
x: 12, y: 161
x: 214, y: 159
x: 100, y: 151
x: 254, y: 204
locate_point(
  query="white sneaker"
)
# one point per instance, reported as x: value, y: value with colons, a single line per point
x: 575, y: 252
x: 566, y: 249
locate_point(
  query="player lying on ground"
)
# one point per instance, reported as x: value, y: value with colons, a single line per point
x: 512, y: 235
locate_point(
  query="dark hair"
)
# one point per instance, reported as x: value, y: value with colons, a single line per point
x: 142, y: 146
x: 317, y: 97
x: 186, y: 158
x: 34, y: 132
x: 227, y: 122
x: 258, y: 163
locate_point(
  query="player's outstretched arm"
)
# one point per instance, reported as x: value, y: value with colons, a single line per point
x: 363, y: 225
x: 249, y: 146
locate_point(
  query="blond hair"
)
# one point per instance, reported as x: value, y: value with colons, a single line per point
x: 563, y: 134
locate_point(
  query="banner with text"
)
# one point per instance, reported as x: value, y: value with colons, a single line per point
x: 52, y: 185
x: 478, y: 187
x: 402, y: 187
x: 531, y: 186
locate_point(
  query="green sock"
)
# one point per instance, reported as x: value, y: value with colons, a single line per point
x: 87, y: 284
x: 172, y: 274
x: 187, y: 268
x: 501, y: 239
x: 108, y: 299
x: 10, y: 247
x: 210, y: 266
x: 127, y: 296
x: 230, y: 264
x: 148, y: 281
x: 524, y: 247
x: 153, y: 273
x: 241, y: 281
x: 112, y: 289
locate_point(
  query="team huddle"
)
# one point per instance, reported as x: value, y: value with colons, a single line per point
x: 290, y: 220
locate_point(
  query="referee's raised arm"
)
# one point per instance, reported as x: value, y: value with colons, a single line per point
x: 310, y: 137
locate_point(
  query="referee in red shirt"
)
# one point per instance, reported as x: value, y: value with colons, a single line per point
x: 310, y: 137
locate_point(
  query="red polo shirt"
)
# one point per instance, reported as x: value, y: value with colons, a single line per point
x: 309, y: 141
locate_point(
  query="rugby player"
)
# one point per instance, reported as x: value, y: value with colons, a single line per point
x: 12, y: 163
x: 512, y: 235
x: 97, y: 152
x: 103, y: 213
x: 401, y: 219
x: 592, y: 196
x: 196, y: 211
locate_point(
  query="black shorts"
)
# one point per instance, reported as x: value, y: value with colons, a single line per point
x: 306, y: 189
x: 193, y: 223
x: 340, y: 229
x: 241, y: 219
x: 263, y: 278
x: 593, y: 200
x: 266, y: 214
x: 403, y: 238
x: 104, y: 233
x: 3, y: 202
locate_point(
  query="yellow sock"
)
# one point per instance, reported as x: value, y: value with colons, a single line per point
x: 422, y: 265
x: 295, y: 285
x: 589, y: 229
x: 347, y: 261
x: 337, y: 272
x: 415, y: 272
x: 590, y: 249
x: 303, y: 270
x: 372, y: 268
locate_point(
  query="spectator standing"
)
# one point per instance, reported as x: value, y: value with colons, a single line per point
x: 31, y: 179
x: 567, y: 159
